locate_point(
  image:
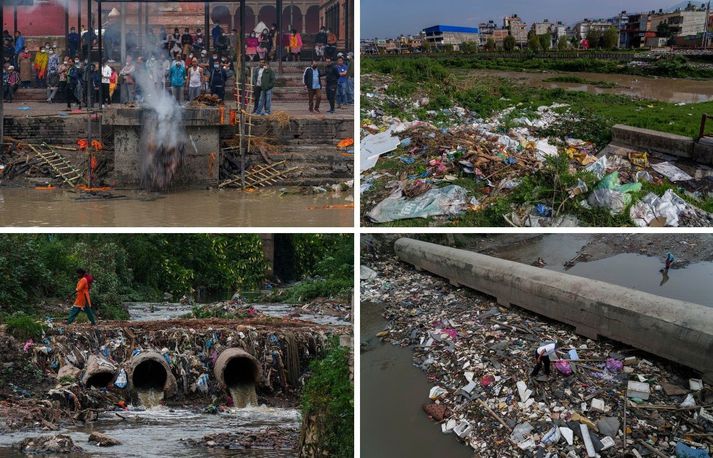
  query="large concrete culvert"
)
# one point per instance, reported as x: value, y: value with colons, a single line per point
x: 676, y: 330
x: 149, y: 373
x: 100, y: 373
x: 239, y: 372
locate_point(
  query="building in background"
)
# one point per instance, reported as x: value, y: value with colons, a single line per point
x: 517, y: 28
x: 448, y: 35
x: 338, y: 17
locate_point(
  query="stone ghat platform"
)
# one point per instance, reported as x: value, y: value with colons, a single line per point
x: 305, y: 141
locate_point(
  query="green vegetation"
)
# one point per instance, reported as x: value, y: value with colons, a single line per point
x: 326, y: 261
x: 328, y: 397
x: 589, y: 117
x: 579, y: 80
x: 673, y: 67
x: 39, y: 269
x: 22, y: 326
x: 593, y: 115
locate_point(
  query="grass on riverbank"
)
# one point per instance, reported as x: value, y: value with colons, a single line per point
x: 673, y: 67
x: 328, y: 396
x: 589, y: 117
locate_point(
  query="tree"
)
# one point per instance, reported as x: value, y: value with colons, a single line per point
x: 562, y: 44
x: 545, y: 41
x: 594, y: 37
x: 611, y: 38
x: 663, y: 30
x: 508, y: 43
x: 533, y: 44
x: 469, y: 47
x: 490, y: 44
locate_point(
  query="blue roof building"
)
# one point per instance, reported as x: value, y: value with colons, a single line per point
x: 450, y: 35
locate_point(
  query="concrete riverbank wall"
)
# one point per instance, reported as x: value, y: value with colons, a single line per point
x: 673, y: 329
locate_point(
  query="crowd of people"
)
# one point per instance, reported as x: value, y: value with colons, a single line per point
x: 177, y: 63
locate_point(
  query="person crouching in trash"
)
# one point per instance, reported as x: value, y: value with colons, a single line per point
x: 82, y: 303
x: 542, y: 358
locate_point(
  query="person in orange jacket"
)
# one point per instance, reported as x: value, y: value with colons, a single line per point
x: 82, y: 302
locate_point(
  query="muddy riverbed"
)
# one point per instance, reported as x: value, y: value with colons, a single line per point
x: 194, y: 208
x: 150, y: 311
x: 163, y: 431
x: 673, y: 90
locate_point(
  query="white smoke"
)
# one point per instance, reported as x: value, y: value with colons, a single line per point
x: 163, y: 137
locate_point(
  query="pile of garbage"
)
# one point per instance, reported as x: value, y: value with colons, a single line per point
x: 600, y: 399
x: 234, y: 308
x: 439, y: 170
x: 67, y: 356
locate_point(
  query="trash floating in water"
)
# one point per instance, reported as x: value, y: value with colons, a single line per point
x: 567, y: 414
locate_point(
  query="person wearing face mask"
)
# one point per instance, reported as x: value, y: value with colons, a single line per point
x: 257, y: 86
x: 62, y: 71
x: 195, y: 80
x: 52, y: 76
x: 264, y: 44
x: 251, y: 44
x: 313, y: 84
x: 127, y: 83
x: 218, y: 77
x: 40, y: 65
x: 74, y: 84
x: 267, y: 82
x: 106, y: 81
x: 25, y: 64
x: 177, y: 77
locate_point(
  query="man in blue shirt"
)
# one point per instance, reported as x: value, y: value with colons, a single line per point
x: 19, y: 44
x: 177, y: 77
x: 313, y: 84
x: 342, y: 82
x: 73, y: 42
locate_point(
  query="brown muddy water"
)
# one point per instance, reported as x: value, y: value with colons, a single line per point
x: 392, y: 393
x: 194, y: 208
x: 161, y: 432
x: 632, y: 270
x: 393, y: 389
x: 672, y: 90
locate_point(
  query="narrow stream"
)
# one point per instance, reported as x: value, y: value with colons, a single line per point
x: 161, y: 432
x: 153, y: 311
x: 194, y: 208
x: 674, y: 90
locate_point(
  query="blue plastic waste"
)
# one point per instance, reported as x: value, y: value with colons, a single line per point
x: 543, y: 210
x: 121, y: 380
x: 684, y: 451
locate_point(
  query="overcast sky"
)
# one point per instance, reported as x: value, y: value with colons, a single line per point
x: 388, y: 18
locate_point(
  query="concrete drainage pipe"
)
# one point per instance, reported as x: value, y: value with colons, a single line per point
x: 239, y: 372
x: 149, y: 372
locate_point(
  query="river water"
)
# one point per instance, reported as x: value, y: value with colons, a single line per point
x: 194, y: 208
x: 393, y: 391
x: 149, y: 311
x: 161, y: 432
x: 631, y: 270
x: 673, y: 90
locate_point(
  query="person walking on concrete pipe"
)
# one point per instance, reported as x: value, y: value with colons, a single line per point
x: 82, y: 301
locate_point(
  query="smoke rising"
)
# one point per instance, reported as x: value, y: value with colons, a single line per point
x: 163, y: 137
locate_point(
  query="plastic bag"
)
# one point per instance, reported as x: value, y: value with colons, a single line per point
x: 121, y: 380
x: 563, y: 367
x: 202, y: 383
